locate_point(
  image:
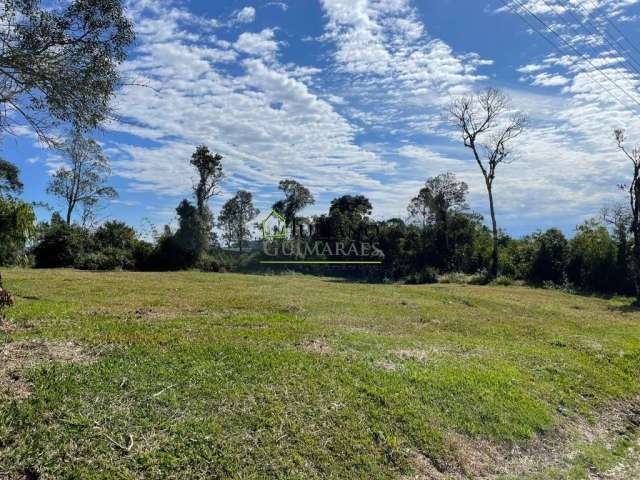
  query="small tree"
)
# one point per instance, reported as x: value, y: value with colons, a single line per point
x: 236, y: 214
x: 633, y: 190
x: 296, y: 198
x: 17, y: 226
x: 440, y: 198
x: 85, y: 182
x: 439, y: 195
x: 549, y: 258
x: 209, y: 167
x: 17, y: 218
x: 487, y: 130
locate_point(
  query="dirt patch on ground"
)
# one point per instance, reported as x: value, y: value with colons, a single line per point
x: 15, y: 357
x: 554, y: 450
x: 316, y: 346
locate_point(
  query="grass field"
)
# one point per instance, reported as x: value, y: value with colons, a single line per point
x: 193, y: 375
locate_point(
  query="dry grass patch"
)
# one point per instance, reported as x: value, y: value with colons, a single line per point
x: 15, y: 357
x: 316, y: 346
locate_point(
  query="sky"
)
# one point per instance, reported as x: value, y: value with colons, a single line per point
x: 348, y: 97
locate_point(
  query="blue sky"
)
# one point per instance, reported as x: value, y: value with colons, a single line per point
x: 347, y: 96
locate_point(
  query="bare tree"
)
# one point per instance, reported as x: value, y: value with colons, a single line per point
x: 85, y: 182
x: 487, y: 128
x: 633, y: 190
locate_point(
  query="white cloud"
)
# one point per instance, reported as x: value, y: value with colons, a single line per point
x: 263, y: 118
x: 261, y: 44
x: 246, y: 15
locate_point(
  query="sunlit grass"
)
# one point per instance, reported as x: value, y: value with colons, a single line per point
x: 221, y: 375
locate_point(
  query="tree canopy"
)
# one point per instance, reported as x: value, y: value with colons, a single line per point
x: 60, y: 64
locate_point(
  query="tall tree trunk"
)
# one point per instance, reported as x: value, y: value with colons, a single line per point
x: 69, y: 210
x: 634, y: 192
x: 494, y: 254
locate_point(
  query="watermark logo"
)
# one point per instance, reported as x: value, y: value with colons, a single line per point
x: 311, y: 243
x: 274, y: 226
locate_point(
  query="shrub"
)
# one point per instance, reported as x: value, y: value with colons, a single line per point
x: 59, y: 245
x: 425, y: 276
x: 454, y: 277
x: 480, y: 278
x: 503, y: 280
x: 593, y: 259
x: 208, y: 263
x: 96, y: 261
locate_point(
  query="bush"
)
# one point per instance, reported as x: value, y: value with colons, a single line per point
x: 593, y: 259
x: 96, y: 261
x: 480, y: 278
x: 59, y: 245
x: 503, y: 280
x: 208, y: 263
x: 454, y: 277
x: 425, y: 276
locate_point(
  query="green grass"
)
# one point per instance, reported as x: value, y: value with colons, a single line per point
x: 238, y: 376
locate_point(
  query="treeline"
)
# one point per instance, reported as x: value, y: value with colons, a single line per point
x: 440, y: 238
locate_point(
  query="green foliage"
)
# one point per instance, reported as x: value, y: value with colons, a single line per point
x: 9, y: 178
x: 296, y: 198
x: 209, y: 263
x: 210, y: 173
x: 549, y: 258
x: 84, y: 183
x: 425, y: 276
x: 60, y: 244
x: 17, y: 226
x: 184, y: 248
x: 60, y: 62
x: 593, y: 259
x: 235, y: 216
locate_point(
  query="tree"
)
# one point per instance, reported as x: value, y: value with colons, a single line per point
x: 296, y: 198
x: 347, y: 216
x: 9, y: 178
x: 210, y: 174
x: 60, y: 65
x: 436, y: 203
x: 357, y: 207
x: 592, y: 259
x: 633, y: 190
x: 619, y: 218
x: 17, y: 218
x: 85, y: 182
x: 549, y: 258
x: 236, y: 214
x: 184, y: 248
x: 487, y: 130
x: 439, y: 196
x: 17, y: 225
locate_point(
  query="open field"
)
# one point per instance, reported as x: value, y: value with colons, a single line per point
x: 192, y: 375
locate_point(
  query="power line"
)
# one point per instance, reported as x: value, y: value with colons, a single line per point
x: 585, y: 58
x: 630, y: 62
x: 556, y: 47
x: 610, y: 22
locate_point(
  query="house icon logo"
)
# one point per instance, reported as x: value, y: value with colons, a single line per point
x: 274, y: 226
